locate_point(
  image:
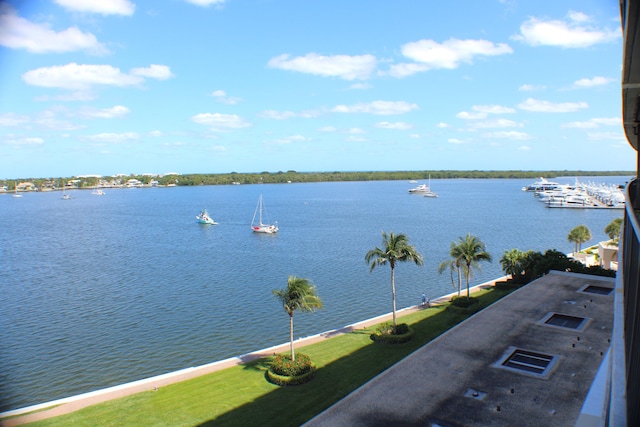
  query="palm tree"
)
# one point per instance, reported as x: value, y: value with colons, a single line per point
x: 301, y: 295
x: 454, y: 267
x: 613, y: 229
x: 578, y: 236
x: 396, y: 248
x: 513, y: 263
x: 469, y: 251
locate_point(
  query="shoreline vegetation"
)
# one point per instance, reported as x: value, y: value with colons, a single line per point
x: 291, y: 176
x: 237, y: 393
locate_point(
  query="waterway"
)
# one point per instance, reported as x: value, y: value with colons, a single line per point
x: 103, y: 290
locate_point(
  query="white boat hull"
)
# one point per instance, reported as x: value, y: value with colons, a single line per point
x: 267, y: 229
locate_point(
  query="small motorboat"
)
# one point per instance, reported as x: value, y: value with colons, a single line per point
x: 204, y: 218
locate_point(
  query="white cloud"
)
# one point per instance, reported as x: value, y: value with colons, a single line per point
x: 572, y: 34
x: 580, y: 125
x: 493, y: 109
x: 594, y: 123
x: 221, y: 96
x: 429, y: 54
x: 355, y: 131
x: 456, y: 141
x: 599, y: 136
x: 377, y: 108
x: 327, y: 129
x: 395, y: 125
x: 154, y: 71
x: 51, y: 122
x: 442, y: 125
x: 407, y: 69
x: 342, y: 66
x: 13, y: 140
x: 206, y: 2
x: 106, y: 113
x: 155, y: 133
x: 508, y: 135
x: 19, y: 33
x: 290, y: 139
x: 11, y: 119
x: 524, y: 148
x: 608, y: 121
x: 356, y: 139
x: 113, y: 137
x: 78, y: 77
x: 578, y: 16
x: 82, y: 77
x: 220, y: 122
x: 103, y: 7
x: 465, y: 115
x: 277, y: 115
x: 495, y: 123
x: 550, y: 107
x: 596, y: 81
x: 531, y: 88
x: 360, y: 86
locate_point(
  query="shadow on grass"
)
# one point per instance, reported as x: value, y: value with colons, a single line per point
x: 294, y: 405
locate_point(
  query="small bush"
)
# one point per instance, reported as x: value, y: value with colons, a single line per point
x: 464, y: 305
x: 284, y: 371
x: 283, y: 365
x: 464, y: 302
x: 384, y: 333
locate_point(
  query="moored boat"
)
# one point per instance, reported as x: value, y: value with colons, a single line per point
x: 204, y: 218
x: 259, y: 227
x: 541, y: 185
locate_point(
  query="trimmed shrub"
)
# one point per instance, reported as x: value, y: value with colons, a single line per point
x: 284, y: 371
x: 384, y: 333
x: 464, y: 302
x: 464, y: 305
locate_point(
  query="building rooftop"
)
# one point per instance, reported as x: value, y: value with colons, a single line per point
x: 527, y: 360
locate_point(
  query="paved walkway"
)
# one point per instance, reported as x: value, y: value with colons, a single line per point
x: 74, y: 403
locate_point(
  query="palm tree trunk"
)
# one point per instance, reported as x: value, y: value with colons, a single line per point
x: 468, y: 273
x: 293, y: 356
x: 459, y: 281
x: 393, y: 297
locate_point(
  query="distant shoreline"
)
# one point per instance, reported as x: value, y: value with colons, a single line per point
x: 289, y: 177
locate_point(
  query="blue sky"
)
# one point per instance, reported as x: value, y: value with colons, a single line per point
x: 215, y: 86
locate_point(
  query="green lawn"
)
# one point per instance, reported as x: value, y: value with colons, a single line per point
x: 240, y: 395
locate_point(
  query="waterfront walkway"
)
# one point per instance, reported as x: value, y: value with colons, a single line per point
x: 74, y: 403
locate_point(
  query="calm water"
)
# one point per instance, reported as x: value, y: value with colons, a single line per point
x: 98, y: 291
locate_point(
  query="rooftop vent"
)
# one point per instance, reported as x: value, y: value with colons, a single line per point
x: 565, y: 321
x: 528, y: 362
x: 599, y: 290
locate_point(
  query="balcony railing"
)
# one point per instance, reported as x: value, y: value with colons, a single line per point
x: 631, y: 282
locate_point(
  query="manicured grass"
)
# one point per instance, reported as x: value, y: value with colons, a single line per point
x: 241, y: 396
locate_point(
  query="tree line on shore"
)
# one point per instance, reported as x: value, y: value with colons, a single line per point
x: 293, y: 176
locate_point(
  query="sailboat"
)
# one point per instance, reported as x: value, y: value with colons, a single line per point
x: 260, y: 227
x: 430, y: 193
x: 15, y: 194
x: 65, y: 195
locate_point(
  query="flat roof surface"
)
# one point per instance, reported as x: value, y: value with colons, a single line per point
x: 435, y: 385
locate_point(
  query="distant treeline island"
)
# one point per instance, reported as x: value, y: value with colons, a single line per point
x: 289, y: 177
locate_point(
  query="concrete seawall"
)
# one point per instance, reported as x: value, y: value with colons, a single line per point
x: 74, y: 403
